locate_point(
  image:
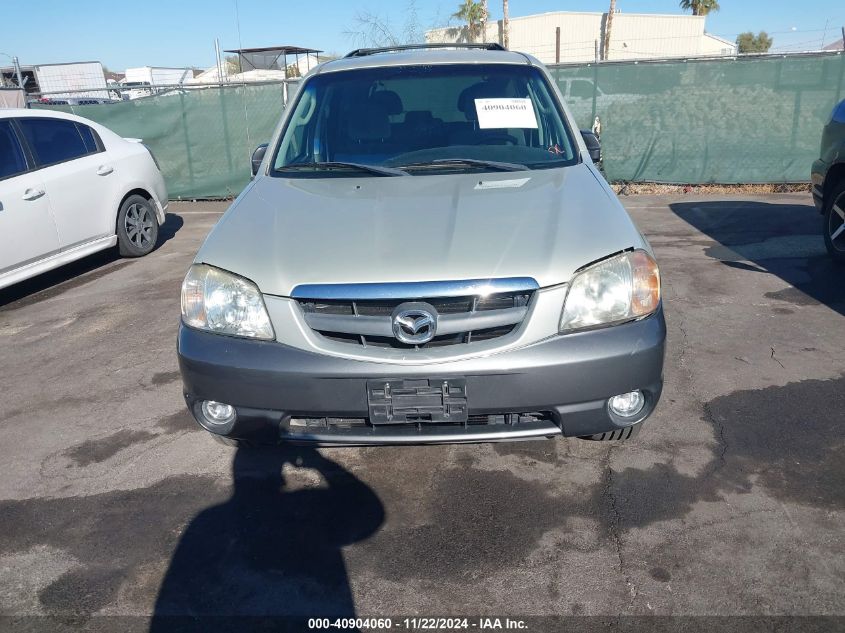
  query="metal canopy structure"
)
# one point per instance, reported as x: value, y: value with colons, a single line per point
x: 268, y: 58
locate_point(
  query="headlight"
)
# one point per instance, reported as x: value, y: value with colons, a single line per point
x: 615, y: 290
x: 217, y: 301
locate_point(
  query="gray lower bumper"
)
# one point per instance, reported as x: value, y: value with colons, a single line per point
x: 568, y: 377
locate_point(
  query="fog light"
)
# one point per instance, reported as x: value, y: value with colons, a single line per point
x: 627, y: 405
x: 217, y: 412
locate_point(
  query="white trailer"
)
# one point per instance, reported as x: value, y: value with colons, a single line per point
x: 72, y: 80
x: 146, y: 80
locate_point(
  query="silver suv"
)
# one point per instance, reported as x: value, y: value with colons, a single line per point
x: 427, y: 253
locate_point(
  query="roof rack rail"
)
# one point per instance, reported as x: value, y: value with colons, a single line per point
x: 363, y: 52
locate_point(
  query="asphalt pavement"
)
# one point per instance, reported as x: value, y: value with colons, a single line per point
x: 730, y: 502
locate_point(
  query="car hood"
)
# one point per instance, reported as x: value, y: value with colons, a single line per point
x: 544, y: 224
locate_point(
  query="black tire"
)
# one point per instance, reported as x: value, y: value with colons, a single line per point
x: 137, y: 227
x: 629, y: 432
x: 834, y: 221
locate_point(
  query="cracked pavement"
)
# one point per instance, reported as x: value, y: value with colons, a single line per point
x: 730, y: 501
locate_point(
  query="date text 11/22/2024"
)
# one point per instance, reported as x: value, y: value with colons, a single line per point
x: 418, y: 624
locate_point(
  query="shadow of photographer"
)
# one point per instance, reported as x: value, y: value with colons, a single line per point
x: 274, y: 549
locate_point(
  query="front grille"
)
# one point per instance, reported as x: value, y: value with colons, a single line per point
x: 368, y: 322
x: 438, y: 341
x: 444, y: 305
x: 495, y: 419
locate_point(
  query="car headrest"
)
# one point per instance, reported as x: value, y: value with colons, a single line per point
x: 482, y: 90
x: 368, y: 123
x: 418, y: 117
x: 388, y: 100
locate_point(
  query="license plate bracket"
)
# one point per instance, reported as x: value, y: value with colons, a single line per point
x: 417, y: 401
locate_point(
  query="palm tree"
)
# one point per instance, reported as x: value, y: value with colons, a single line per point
x: 506, y: 25
x: 485, y: 14
x: 700, y: 7
x: 471, y: 13
x: 607, y: 25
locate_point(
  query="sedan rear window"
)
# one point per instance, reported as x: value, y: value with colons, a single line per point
x: 53, y: 140
x: 12, y: 160
x: 89, y: 137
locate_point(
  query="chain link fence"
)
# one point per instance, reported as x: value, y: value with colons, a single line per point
x: 754, y: 119
x: 203, y: 138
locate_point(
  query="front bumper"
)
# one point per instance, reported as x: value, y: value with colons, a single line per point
x: 567, y: 378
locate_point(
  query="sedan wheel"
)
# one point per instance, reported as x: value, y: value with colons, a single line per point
x: 836, y: 225
x: 137, y: 227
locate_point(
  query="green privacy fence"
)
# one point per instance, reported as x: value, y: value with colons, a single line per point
x: 744, y: 120
x: 736, y: 120
x: 202, y: 138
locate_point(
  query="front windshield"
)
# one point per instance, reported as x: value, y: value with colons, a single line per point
x: 421, y: 117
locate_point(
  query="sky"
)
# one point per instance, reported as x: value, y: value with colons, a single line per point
x: 181, y: 33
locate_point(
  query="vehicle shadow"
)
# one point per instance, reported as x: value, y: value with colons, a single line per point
x: 779, y: 239
x: 167, y: 231
x: 272, y: 552
x: 82, y: 271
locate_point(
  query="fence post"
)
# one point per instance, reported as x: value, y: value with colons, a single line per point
x: 225, y: 117
x: 187, y: 145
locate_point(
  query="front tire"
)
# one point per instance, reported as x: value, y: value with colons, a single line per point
x: 834, y: 223
x: 137, y: 227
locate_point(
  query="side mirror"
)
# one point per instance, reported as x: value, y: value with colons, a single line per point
x: 258, y: 156
x: 593, y: 145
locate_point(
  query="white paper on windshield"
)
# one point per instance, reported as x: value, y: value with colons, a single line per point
x: 505, y: 113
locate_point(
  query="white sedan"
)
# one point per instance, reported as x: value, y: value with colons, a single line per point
x: 70, y: 187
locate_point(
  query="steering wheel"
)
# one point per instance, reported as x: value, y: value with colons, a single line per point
x: 491, y: 139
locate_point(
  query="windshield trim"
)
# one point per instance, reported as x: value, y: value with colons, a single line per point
x: 333, y: 165
x: 551, y: 86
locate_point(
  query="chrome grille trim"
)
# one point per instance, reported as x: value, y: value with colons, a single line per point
x: 415, y: 289
x: 446, y: 323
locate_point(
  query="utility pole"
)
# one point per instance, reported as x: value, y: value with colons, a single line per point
x: 17, y: 66
x: 607, y: 26
x: 506, y: 25
x: 219, y: 62
x: 843, y: 38
x: 557, y: 45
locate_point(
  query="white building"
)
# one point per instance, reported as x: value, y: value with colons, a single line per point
x: 632, y: 36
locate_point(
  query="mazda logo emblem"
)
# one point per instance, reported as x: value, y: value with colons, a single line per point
x: 414, y: 323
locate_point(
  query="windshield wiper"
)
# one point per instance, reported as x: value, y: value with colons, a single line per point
x: 373, y: 169
x: 471, y: 162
